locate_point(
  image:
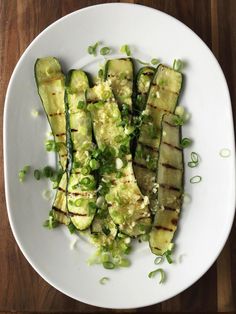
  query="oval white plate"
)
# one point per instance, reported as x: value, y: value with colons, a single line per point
x: 205, y: 223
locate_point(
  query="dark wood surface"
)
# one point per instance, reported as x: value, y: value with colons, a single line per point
x: 21, y: 288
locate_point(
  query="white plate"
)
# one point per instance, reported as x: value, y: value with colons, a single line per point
x: 205, y: 223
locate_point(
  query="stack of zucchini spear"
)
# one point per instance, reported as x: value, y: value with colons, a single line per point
x: 119, y: 150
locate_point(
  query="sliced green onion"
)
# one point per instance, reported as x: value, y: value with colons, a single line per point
x: 85, y: 170
x: 52, y: 146
x: 94, y: 164
x: 108, y: 265
x: 142, y: 62
x: 105, y: 51
x: 47, y: 195
x: 92, y: 208
x: 194, y: 160
x: 125, y: 49
x: 51, y: 223
x: 178, y: 121
x: 104, y: 280
x: 81, y: 104
x: 78, y: 202
x: 186, y: 142
x: 92, y: 50
x: 168, y: 257
x: 48, y: 172
x: 34, y: 113
x: 71, y: 228
x: 155, y: 61
x: 124, y: 262
x: 158, y: 260
x: 225, y: 152
x: 153, y: 273
x: 177, y: 65
x: 37, y: 174
x: 87, y: 183
x: 22, y: 173
x: 196, y: 179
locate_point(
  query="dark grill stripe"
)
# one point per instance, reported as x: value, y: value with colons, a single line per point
x: 172, y: 146
x: 58, y: 210
x: 169, y: 187
x: 142, y: 166
x: 76, y: 214
x: 170, y: 208
x: 170, y: 124
x: 60, y: 134
x: 74, y: 130
x: 168, y: 166
x: 56, y: 114
x: 155, y: 149
x: 163, y: 228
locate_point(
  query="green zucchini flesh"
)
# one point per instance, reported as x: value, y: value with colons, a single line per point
x: 162, y: 98
x: 119, y: 73
x: 80, y: 199
x: 143, y: 81
x: 51, y: 88
x: 170, y: 187
x: 128, y: 208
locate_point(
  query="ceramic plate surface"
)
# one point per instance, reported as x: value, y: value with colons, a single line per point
x: 205, y: 222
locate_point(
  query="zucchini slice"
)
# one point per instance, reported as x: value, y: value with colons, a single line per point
x: 143, y: 81
x: 162, y: 98
x: 51, y: 88
x: 128, y: 208
x: 119, y: 73
x: 81, y: 198
x: 170, y: 187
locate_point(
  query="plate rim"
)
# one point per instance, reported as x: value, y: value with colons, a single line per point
x: 6, y: 185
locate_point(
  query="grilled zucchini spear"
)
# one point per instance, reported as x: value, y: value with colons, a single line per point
x: 81, y: 195
x: 170, y: 187
x: 127, y: 206
x: 162, y: 98
x: 51, y: 88
x: 119, y: 72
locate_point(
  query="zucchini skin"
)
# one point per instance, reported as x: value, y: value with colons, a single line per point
x: 79, y: 148
x: 170, y: 187
x: 120, y: 74
x: 162, y: 98
x: 126, y: 204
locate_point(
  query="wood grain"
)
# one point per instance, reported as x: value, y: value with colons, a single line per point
x: 21, y: 288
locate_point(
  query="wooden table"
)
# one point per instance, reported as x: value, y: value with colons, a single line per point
x: 21, y: 288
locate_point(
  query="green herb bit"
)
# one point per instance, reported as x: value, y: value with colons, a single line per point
x: 92, y: 208
x: 105, y: 51
x: 71, y: 228
x: 37, y: 174
x: 158, y: 260
x: 104, y: 280
x: 155, y: 61
x: 92, y: 50
x: 108, y: 265
x: 142, y: 62
x: 178, y: 121
x: 22, y: 173
x: 52, y: 146
x: 225, y: 152
x: 48, y: 172
x: 195, y: 179
x: 125, y: 49
x: 101, y: 74
x: 153, y: 273
x: 51, y: 223
x: 81, y: 104
x: 178, y: 65
x: 168, y: 257
x: 186, y: 142
x: 94, y: 164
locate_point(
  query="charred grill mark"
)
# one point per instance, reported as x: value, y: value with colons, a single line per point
x: 169, y: 187
x: 77, y: 214
x: 117, y: 76
x: 170, y: 124
x: 172, y: 146
x: 154, y: 149
x: 148, y: 73
x: 53, y: 94
x: 61, y: 189
x: 64, y: 155
x: 164, y: 228
x: 60, y: 134
x: 169, y: 208
x: 158, y: 109
x: 168, y: 166
x: 174, y: 221
x: 58, y: 210
x: 56, y: 114
x: 142, y: 166
x: 74, y: 130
